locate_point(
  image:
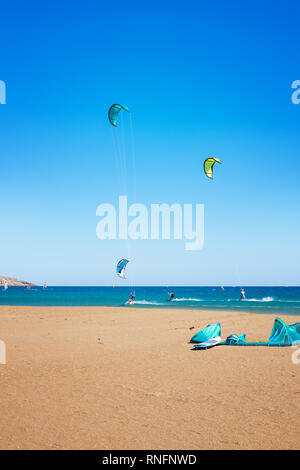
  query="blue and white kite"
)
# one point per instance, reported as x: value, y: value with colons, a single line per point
x: 121, y: 266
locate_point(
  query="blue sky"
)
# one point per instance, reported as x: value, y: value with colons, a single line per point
x: 201, y: 79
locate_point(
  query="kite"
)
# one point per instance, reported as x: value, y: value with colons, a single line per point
x: 121, y: 266
x: 114, y: 111
x: 208, y: 166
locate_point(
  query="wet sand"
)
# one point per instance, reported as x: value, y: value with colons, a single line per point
x: 126, y: 378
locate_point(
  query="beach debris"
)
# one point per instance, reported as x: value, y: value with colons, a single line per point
x: 114, y: 111
x: 208, y: 166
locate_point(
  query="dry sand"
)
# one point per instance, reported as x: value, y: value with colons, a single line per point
x: 126, y: 378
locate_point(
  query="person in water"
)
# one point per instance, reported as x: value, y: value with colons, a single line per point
x: 172, y: 295
x: 243, y: 296
x: 132, y: 297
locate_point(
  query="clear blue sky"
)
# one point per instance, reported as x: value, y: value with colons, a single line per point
x: 201, y: 78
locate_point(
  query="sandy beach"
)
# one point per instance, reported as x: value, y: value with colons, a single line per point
x: 126, y: 378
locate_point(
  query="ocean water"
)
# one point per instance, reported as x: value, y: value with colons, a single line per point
x: 275, y: 300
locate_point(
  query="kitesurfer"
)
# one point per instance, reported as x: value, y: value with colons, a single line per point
x: 243, y: 296
x: 172, y: 296
x: 132, y: 297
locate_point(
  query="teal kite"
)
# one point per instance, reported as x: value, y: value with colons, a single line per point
x: 114, y: 111
x: 281, y: 335
x: 209, y: 332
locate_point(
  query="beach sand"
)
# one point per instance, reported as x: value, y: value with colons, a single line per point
x: 126, y: 378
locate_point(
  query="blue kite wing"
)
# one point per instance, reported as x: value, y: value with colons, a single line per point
x: 121, y: 266
x: 114, y: 111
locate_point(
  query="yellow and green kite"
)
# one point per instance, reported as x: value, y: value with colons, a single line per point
x: 208, y: 166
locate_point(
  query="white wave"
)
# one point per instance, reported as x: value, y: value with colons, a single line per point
x: 183, y: 299
x: 264, y: 299
x: 143, y: 302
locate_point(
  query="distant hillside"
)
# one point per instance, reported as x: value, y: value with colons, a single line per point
x: 11, y: 281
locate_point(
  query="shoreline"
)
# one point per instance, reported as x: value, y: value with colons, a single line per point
x: 127, y: 378
x: 141, y: 307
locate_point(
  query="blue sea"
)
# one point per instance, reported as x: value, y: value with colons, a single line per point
x: 284, y: 300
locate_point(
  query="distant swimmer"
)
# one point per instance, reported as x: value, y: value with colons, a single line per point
x: 243, y: 296
x: 172, y: 296
x: 132, y: 297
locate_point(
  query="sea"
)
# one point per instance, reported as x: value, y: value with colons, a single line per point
x: 275, y: 300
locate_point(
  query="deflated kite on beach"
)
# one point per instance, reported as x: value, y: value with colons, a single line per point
x: 281, y: 335
x: 209, y: 332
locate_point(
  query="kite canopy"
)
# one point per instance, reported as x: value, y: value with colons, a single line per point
x: 208, y: 166
x: 281, y: 335
x: 114, y: 111
x: 210, y: 331
x: 121, y: 266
